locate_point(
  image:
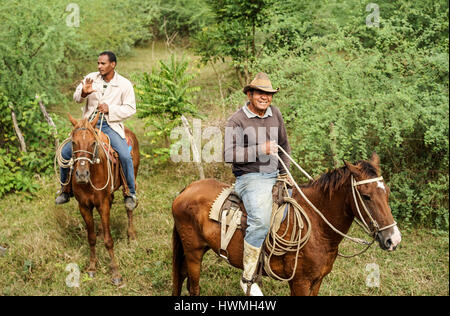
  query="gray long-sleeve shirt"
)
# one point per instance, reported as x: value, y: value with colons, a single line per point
x: 245, y: 131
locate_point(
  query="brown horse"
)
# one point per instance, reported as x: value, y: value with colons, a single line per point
x: 194, y: 233
x: 94, y: 183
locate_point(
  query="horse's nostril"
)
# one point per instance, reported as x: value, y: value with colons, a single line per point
x: 388, y: 243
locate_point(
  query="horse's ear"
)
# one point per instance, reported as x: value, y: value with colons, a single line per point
x: 72, y: 120
x: 353, y: 169
x: 94, y: 122
x: 375, y: 160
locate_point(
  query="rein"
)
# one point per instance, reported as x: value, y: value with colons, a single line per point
x: 355, y: 193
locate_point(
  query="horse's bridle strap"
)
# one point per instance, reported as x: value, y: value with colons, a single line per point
x: 367, y: 181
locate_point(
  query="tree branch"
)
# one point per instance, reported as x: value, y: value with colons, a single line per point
x: 23, y: 146
x: 49, y: 121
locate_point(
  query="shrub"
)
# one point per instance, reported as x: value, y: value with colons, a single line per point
x: 164, y: 96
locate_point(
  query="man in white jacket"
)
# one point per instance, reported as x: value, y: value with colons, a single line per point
x: 112, y: 95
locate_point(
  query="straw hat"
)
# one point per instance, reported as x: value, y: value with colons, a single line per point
x: 261, y: 82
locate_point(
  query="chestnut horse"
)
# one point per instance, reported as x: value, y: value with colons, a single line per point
x: 94, y: 183
x: 194, y: 233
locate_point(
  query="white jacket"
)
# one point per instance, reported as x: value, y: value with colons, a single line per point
x: 119, y: 96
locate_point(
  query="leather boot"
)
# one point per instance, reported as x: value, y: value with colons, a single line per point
x: 251, y: 258
x: 131, y: 202
x: 64, y: 195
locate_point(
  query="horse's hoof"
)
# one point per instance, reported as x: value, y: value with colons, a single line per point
x: 117, y: 281
x: 132, y: 237
x: 91, y: 274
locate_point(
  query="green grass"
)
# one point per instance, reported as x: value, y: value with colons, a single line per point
x: 42, y: 239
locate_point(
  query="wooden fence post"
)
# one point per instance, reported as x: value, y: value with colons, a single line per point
x: 195, y: 152
x: 23, y: 146
x: 49, y: 121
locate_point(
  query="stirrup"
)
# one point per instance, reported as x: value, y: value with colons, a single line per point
x: 131, y: 202
x: 247, y: 285
x: 62, y: 198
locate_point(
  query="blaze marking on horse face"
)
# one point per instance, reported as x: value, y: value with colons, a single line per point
x: 380, y: 184
x: 396, y: 238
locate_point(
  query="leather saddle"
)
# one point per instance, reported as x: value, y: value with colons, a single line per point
x: 228, y: 210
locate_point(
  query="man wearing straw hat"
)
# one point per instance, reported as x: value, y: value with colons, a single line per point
x: 252, y: 137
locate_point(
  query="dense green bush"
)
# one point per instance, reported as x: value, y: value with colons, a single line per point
x: 374, y: 109
x: 117, y: 25
x: 18, y: 168
x: 234, y: 33
x: 35, y: 47
x: 181, y: 18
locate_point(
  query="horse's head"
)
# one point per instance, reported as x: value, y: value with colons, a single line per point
x: 370, y: 202
x: 84, y: 145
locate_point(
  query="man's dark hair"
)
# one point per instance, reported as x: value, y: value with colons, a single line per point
x: 111, y: 56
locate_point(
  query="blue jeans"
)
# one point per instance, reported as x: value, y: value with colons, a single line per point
x: 119, y: 144
x: 255, y: 190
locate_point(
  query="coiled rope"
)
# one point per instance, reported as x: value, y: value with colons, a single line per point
x: 279, y: 245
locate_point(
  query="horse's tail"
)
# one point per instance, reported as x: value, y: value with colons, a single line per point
x: 177, y: 263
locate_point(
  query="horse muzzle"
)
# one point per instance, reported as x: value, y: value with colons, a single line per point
x: 82, y: 176
x: 389, y: 239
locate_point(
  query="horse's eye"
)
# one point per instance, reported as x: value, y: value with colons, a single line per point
x: 366, y: 197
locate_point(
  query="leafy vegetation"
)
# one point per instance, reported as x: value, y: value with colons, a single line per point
x: 346, y: 89
x: 165, y: 95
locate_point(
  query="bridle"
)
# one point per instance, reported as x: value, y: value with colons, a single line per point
x: 95, y: 159
x: 94, y: 154
x: 361, y: 222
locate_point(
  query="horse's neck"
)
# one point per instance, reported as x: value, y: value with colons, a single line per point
x: 335, y: 209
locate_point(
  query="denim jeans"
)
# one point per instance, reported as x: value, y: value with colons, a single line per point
x: 255, y: 190
x: 118, y: 144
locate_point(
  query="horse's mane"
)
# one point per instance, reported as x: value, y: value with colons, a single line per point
x: 84, y: 123
x: 333, y: 180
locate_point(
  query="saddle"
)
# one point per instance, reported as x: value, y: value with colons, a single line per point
x: 229, y: 211
x: 113, y: 156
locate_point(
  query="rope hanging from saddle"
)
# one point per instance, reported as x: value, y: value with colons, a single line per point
x: 279, y: 244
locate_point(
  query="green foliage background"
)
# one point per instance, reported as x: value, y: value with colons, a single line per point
x: 383, y: 89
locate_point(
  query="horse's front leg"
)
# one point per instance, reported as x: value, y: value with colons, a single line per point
x: 131, y: 231
x: 305, y: 287
x: 86, y: 212
x: 300, y: 287
x: 104, y: 210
